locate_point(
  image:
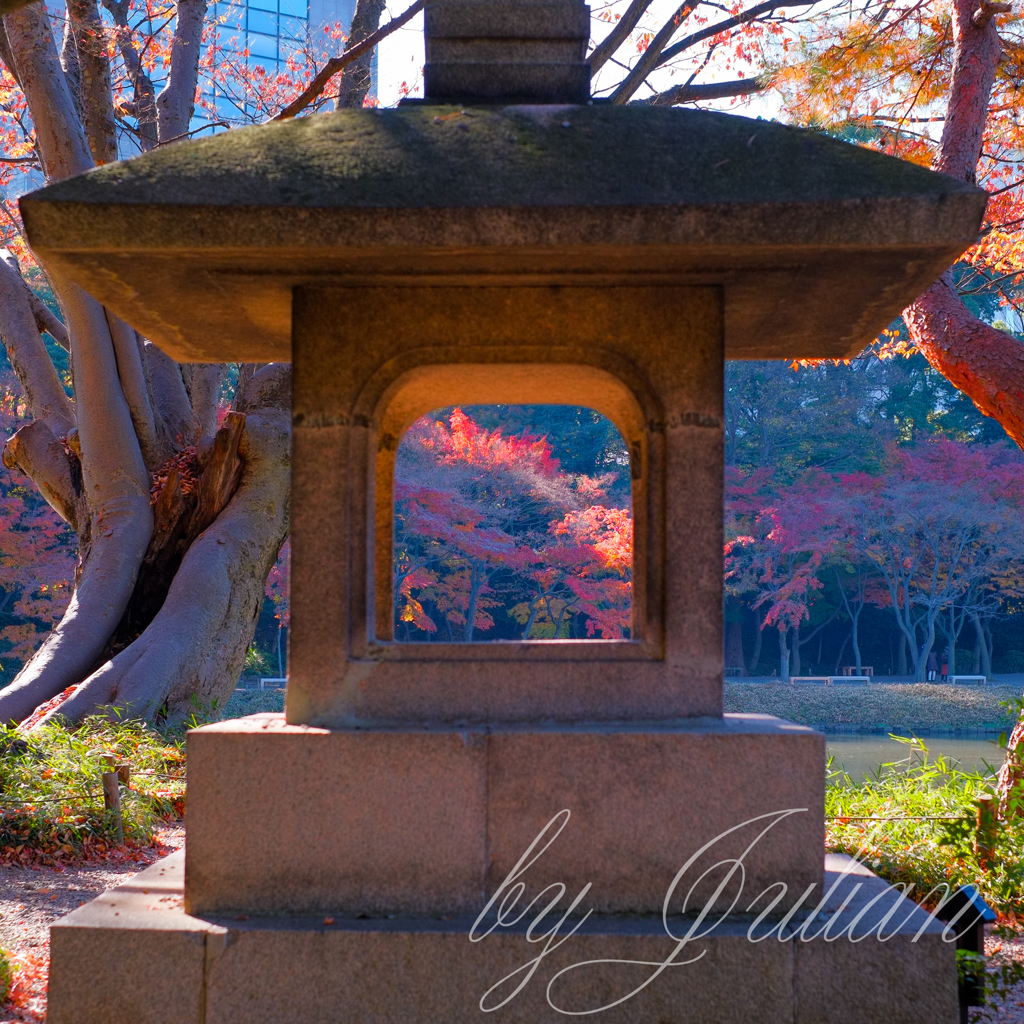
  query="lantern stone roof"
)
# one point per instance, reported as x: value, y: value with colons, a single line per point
x: 817, y: 244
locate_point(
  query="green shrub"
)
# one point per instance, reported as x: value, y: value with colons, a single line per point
x: 1009, y: 661
x: 51, y: 790
x: 6, y: 976
x: 927, y: 836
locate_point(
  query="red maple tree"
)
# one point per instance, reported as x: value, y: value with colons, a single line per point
x: 485, y: 521
x: 935, y: 538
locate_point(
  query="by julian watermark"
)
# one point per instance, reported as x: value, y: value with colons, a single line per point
x: 883, y: 915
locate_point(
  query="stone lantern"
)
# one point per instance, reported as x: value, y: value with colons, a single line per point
x: 505, y: 241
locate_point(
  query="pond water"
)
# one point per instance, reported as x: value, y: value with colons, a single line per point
x: 861, y: 755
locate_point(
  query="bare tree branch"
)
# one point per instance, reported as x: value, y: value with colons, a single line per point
x: 27, y: 353
x: 202, y: 382
x: 246, y: 371
x: 618, y: 35
x: 70, y: 63
x: 145, y: 93
x: 711, y: 91
x: 356, y: 78
x: 1007, y: 188
x: 60, y: 139
x: 47, y: 322
x: 6, y: 55
x: 177, y: 100
x: 135, y: 387
x: 172, y: 411
x: 336, y: 64
x: 650, y: 58
x: 96, y: 94
x: 723, y: 26
x: 40, y: 455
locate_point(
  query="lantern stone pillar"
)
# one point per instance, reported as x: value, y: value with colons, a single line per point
x: 530, y: 248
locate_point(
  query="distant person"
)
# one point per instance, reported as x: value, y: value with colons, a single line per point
x: 933, y: 666
x: 947, y: 656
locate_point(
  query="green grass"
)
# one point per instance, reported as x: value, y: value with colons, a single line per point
x: 879, y: 708
x: 52, y: 790
x: 927, y: 840
x: 253, y: 702
x: 6, y: 976
x: 932, y: 837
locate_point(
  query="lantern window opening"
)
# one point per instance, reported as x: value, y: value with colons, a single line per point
x: 512, y: 523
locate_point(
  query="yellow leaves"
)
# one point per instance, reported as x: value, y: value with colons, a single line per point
x: 889, y: 348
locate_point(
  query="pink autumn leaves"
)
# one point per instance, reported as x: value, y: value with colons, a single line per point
x: 936, y: 536
x: 493, y: 540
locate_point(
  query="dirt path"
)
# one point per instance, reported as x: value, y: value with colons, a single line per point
x: 1012, y: 1009
x: 31, y: 899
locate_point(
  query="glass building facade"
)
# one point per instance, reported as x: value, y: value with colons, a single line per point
x: 273, y: 31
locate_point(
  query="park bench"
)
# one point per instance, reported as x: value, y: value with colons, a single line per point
x: 843, y: 680
x: 970, y: 680
x: 865, y: 670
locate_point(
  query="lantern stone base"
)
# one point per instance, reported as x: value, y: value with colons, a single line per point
x: 431, y: 820
x: 133, y: 956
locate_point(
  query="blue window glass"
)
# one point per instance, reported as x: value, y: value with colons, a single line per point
x: 263, y: 21
x: 293, y: 28
x: 268, y: 65
x: 233, y: 14
x: 295, y: 8
x: 228, y: 38
x: 226, y: 107
x: 263, y: 5
x: 263, y: 46
x: 288, y: 48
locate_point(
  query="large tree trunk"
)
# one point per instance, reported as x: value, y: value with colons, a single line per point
x: 178, y: 523
x: 358, y: 76
x: 755, y: 657
x: 783, y: 654
x: 216, y: 593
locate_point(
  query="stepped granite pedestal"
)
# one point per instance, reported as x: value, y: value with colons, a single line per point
x: 338, y: 856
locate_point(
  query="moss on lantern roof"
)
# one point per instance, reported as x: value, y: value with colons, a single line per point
x: 816, y: 244
x: 443, y: 157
